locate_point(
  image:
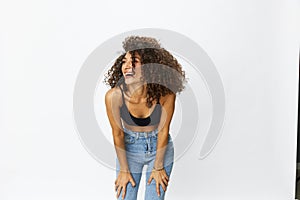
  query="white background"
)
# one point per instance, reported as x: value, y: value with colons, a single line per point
x: 254, y: 45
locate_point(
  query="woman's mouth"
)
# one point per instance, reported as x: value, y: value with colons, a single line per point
x: 129, y: 74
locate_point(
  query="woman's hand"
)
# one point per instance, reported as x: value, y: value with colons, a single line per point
x: 121, y: 182
x: 161, y: 178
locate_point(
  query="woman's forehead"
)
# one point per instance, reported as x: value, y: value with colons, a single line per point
x: 128, y: 55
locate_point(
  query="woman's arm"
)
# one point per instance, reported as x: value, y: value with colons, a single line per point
x: 168, y: 106
x: 158, y: 173
x: 113, y: 103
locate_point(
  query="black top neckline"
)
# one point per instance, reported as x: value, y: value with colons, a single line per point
x: 152, y: 119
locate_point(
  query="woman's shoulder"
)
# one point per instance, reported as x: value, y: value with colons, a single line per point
x: 114, y: 94
x: 167, y: 97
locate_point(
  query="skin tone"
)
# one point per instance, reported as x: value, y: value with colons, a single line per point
x: 135, y: 99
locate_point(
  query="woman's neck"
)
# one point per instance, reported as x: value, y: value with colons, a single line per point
x: 137, y: 90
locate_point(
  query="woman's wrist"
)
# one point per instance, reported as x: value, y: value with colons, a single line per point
x: 158, y: 164
x: 124, y: 170
x: 124, y: 167
x: 157, y: 168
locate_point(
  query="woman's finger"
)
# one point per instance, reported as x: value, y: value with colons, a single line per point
x: 124, y: 192
x: 150, y: 179
x: 119, y: 191
x: 163, y: 186
x: 157, y: 189
x: 165, y: 181
x: 166, y: 176
x: 132, y: 182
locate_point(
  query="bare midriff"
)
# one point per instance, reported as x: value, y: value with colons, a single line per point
x: 140, y: 128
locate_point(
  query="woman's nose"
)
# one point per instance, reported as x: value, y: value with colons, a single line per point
x: 128, y: 65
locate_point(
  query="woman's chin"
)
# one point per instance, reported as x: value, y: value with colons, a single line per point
x: 129, y: 81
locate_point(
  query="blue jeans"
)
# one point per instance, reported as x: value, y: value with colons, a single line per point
x: 140, y: 151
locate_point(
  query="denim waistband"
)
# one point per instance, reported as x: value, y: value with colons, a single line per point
x: 138, y: 134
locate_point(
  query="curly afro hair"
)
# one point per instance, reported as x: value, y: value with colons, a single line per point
x: 160, y: 70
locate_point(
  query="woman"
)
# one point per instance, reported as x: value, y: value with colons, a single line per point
x: 140, y: 104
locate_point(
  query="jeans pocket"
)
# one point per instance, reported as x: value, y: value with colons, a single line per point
x: 128, y: 139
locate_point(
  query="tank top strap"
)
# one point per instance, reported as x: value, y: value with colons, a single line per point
x: 122, y: 94
x: 158, y: 101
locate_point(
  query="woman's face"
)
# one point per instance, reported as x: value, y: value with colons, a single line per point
x: 131, y: 74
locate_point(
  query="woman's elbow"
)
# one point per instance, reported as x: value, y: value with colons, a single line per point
x: 117, y: 133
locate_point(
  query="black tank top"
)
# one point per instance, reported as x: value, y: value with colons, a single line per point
x: 153, y: 119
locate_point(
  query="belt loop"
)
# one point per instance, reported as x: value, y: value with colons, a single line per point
x: 136, y: 135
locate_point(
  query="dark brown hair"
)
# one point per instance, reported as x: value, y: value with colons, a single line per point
x: 160, y: 70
